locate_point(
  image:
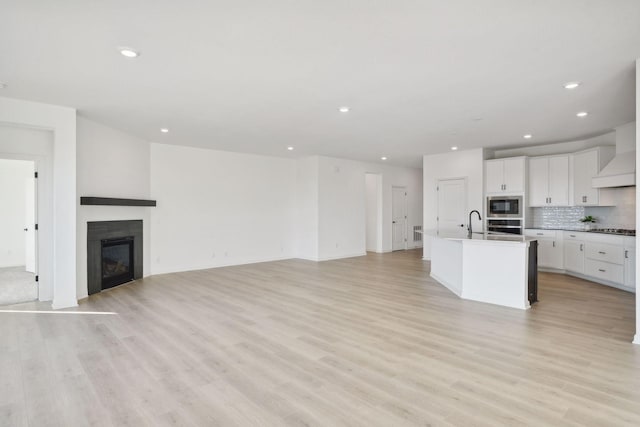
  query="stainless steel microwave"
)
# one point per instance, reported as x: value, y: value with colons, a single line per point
x: 504, y: 207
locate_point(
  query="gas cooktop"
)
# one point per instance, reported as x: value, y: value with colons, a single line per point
x: 618, y: 231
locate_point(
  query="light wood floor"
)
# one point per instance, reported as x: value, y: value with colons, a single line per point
x: 368, y: 341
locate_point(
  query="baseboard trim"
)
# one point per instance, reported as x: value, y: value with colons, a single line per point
x: 593, y: 279
x: 58, y: 305
x: 342, y: 257
x: 446, y: 284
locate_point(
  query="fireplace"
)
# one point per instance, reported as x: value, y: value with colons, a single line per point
x: 117, y: 261
x: 114, y: 253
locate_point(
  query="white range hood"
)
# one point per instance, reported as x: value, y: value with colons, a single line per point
x: 621, y: 170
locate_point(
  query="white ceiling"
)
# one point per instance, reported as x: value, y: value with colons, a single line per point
x: 257, y: 76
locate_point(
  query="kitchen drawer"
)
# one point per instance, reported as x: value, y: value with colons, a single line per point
x: 604, y: 252
x: 604, y: 271
x: 574, y: 235
x: 540, y: 233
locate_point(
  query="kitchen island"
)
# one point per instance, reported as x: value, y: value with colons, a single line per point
x: 494, y: 268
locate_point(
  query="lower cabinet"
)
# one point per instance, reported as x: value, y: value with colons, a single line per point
x: 605, y: 271
x: 574, y: 256
x: 608, y: 259
x: 550, y: 253
x: 630, y: 267
x: 549, y: 248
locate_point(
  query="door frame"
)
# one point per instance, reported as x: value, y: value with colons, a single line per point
x: 406, y: 217
x: 36, y: 160
x: 466, y: 199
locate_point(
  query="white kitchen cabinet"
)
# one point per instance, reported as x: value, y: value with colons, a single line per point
x: 505, y: 175
x: 630, y: 267
x: 574, y: 256
x: 549, y: 181
x: 494, y: 172
x: 604, y: 271
x: 549, y: 247
x: 586, y: 165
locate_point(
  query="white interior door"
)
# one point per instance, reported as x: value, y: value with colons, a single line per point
x: 452, y: 205
x: 399, y: 218
x: 29, y: 227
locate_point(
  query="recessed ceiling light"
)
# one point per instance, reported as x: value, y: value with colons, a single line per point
x: 454, y: 148
x: 527, y: 136
x: 571, y: 85
x: 128, y: 52
x: 164, y: 130
x: 290, y: 148
x: 582, y: 114
x: 344, y: 109
x: 383, y: 158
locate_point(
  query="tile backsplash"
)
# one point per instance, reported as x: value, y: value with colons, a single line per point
x: 567, y: 218
x: 622, y: 215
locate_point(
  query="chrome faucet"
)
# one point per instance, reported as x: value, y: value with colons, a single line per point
x: 469, y: 227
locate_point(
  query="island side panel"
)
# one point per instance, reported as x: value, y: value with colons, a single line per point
x: 446, y: 263
x: 496, y: 273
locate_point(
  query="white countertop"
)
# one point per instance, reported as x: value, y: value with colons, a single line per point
x: 483, y: 236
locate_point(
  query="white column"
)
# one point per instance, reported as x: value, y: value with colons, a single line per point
x: 637, y: 337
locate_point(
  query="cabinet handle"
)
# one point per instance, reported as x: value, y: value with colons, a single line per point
x: 540, y: 234
x: 554, y: 243
x: 581, y: 247
x: 626, y: 254
x: 549, y: 199
x: 584, y: 199
x: 505, y: 186
x: 603, y: 253
x: 604, y: 271
x: 572, y: 235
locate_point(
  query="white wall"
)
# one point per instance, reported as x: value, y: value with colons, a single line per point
x: 110, y: 164
x: 57, y: 208
x: 219, y: 208
x: 306, y: 216
x: 373, y: 184
x: 455, y: 164
x: 342, y: 205
x: 341, y: 202
x: 14, y: 175
x: 626, y: 138
x: 637, y: 337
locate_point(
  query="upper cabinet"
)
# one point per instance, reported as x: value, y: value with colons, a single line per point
x: 505, y: 175
x: 549, y: 181
x: 586, y: 165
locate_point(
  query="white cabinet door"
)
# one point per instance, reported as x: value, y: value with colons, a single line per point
x: 574, y: 256
x: 538, y: 181
x: 514, y: 175
x: 545, y: 251
x: 559, y: 181
x: 630, y: 268
x: 494, y: 170
x: 585, y: 167
x: 549, y: 253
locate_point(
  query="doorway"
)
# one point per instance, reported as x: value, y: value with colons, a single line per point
x: 373, y: 211
x: 399, y: 218
x: 452, y: 205
x: 18, y: 259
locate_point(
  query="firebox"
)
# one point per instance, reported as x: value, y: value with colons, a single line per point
x: 117, y: 261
